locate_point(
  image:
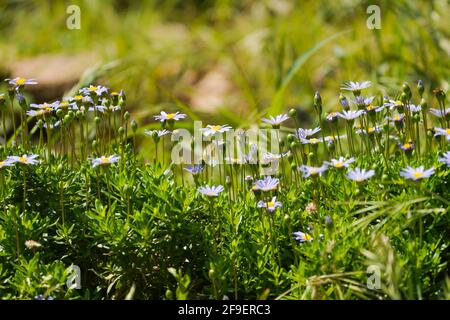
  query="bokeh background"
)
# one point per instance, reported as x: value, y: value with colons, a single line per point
x: 224, y: 61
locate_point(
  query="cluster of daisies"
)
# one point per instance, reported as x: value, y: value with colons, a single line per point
x: 372, y: 125
x: 399, y: 119
x: 94, y: 98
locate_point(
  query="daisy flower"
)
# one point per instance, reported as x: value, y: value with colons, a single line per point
x: 397, y: 118
x: 20, y: 82
x: 158, y: 133
x: 440, y: 113
x: 309, y: 171
x: 104, y: 161
x: 24, y: 159
x: 214, y: 129
x: 305, y: 133
x: 359, y: 175
x: 270, y: 205
x: 391, y: 104
x: 195, y: 169
x: 169, y: 116
x: 212, y: 191
x: 416, y: 173
x: 413, y: 108
x: 332, y: 116
x: 277, y: 120
x: 302, y: 237
x: 356, y: 86
x: 309, y: 141
x: 6, y: 163
x: 442, y: 132
x: 363, y: 101
x: 98, y: 90
x: 340, y: 163
x: 350, y: 114
x: 407, y: 147
x: 331, y: 139
x: 445, y: 159
x: 370, y: 130
x: 266, y: 184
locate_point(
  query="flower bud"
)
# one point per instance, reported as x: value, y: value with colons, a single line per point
x: 292, y: 113
x: 134, y: 125
x: 126, y: 115
x: 420, y: 87
x: 423, y: 104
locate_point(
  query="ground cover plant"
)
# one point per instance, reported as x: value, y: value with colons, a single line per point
x: 355, y: 206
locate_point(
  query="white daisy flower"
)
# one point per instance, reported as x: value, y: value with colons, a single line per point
x: 302, y: 237
x: 416, y: 173
x: 446, y: 158
x: 104, y: 161
x: 440, y: 113
x: 213, y: 129
x: 305, y: 133
x: 350, y: 114
x: 356, y: 86
x: 310, y: 141
x: 340, y: 163
x: 266, y: 184
x: 6, y: 163
x: 159, y: 133
x: 211, y: 191
x: 270, y: 205
x: 442, y: 132
x: 169, y: 116
x: 309, y: 171
x: 359, y: 175
x: 24, y: 159
x: 277, y: 120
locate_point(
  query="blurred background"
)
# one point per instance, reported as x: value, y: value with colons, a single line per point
x: 224, y: 61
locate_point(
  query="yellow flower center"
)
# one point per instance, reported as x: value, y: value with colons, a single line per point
x: 398, y: 103
x: 370, y: 107
x: 104, y: 160
x: 78, y: 98
x: 418, y: 174
x: 407, y: 145
x: 23, y: 159
x: 1, y: 163
x: 307, y: 237
x: 447, y: 131
x: 314, y: 140
x: 371, y: 130
x: 211, y: 193
x: 216, y: 128
x: 397, y: 118
x: 92, y: 88
x: 270, y: 204
x: 64, y: 104
x: 21, y: 81
x: 170, y: 115
x: 312, y: 171
x: 339, y: 164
